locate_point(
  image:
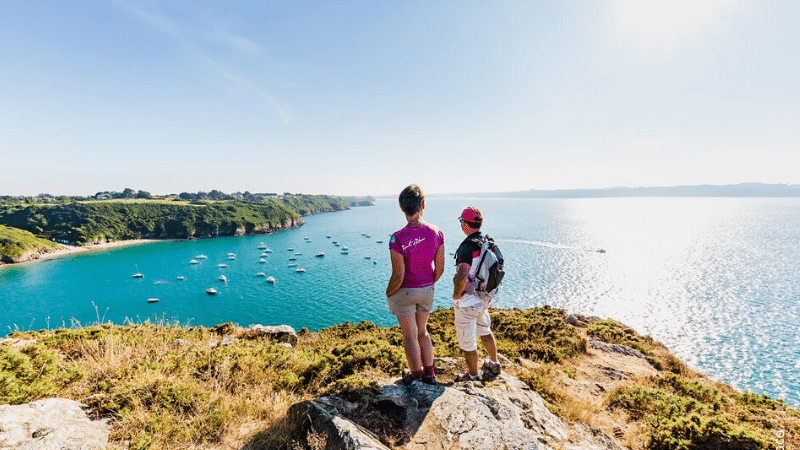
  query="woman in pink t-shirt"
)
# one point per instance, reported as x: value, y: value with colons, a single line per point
x: 417, y: 253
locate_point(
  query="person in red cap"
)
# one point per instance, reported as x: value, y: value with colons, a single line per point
x: 417, y: 255
x: 471, y: 307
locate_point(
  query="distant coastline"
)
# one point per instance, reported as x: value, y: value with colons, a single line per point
x: 731, y: 190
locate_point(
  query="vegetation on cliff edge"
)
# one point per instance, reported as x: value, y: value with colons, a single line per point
x: 170, y: 386
x: 14, y: 242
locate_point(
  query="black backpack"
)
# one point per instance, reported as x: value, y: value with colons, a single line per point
x: 489, y: 272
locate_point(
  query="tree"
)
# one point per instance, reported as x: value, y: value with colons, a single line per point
x: 129, y: 193
x: 144, y: 194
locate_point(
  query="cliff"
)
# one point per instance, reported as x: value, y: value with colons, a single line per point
x: 568, y: 382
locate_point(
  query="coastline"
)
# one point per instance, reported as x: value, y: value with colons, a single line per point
x: 37, y: 255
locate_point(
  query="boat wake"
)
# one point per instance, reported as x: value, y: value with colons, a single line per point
x: 552, y: 245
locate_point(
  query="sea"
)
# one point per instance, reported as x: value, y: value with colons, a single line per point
x: 717, y: 280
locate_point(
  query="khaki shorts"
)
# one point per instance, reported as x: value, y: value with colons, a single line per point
x: 471, y: 322
x: 408, y: 301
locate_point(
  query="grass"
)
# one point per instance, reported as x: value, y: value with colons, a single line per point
x: 165, y: 385
x: 14, y: 242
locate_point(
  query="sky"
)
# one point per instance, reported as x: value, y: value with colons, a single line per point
x: 366, y: 97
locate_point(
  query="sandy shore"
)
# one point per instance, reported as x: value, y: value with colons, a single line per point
x: 65, y: 250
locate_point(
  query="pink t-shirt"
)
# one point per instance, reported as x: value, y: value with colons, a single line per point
x: 418, y: 245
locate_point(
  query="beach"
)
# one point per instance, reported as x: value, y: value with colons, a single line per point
x: 40, y: 254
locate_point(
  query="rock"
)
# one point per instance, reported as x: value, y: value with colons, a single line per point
x: 52, y: 423
x: 581, y: 321
x: 503, y: 414
x: 280, y: 333
x: 615, y: 348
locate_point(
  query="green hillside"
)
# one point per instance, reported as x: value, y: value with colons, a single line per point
x: 85, y: 222
x: 14, y: 242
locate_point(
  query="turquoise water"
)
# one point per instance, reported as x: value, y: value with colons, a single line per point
x: 716, y: 280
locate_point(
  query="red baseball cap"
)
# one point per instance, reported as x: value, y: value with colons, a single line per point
x: 471, y: 214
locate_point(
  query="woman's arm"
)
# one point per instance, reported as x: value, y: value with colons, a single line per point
x: 398, y: 273
x: 438, y: 263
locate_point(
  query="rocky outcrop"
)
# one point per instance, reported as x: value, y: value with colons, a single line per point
x: 30, y: 255
x: 53, y: 423
x: 502, y: 414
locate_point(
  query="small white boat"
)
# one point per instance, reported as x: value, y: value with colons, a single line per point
x: 367, y: 257
x: 262, y: 246
x: 379, y: 242
x: 307, y: 238
x: 211, y: 291
x: 201, y: 257
x: 291, y: 249
x: 300, y: 269
x: 344, y: 252
x: 320, y: 255
x: 264, y: 254
x: 268, y: 250
x: 231, y: 257
x: 375, y: 261
x: 261, y: 274
x: 292, y: 265
x: 344, y: 249
x: 292, y: 258
x: 262, y: 261
x: 194, y: 261
x: 138, y: 275
x: 328, y: 236
x: 223, y: 278
x: 152, y: 300
x: 222, y: 266
x: 271, y: 280
x: 298, y: 253
x: 181, y: 278
x: 231, y: 254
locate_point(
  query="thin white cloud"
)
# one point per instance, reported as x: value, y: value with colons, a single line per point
x: 168, y: 27
x: 237, y: 42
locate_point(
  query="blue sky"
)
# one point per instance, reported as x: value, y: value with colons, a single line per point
x: 366, y: 97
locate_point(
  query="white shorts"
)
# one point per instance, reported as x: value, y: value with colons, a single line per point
x: 471, y: 322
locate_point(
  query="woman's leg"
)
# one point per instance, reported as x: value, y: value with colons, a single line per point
x: 424, y: 339
x: 408, y: 325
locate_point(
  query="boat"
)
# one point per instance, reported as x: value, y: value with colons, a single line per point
x: 328, y: 236
x: 262, y: 246
x: 261, y: 274
x: 292, y: 265
x: 366, y: 235
x: 271, y: 280
x: 300, y: 269
x: 264, y: 254
x: 307, y: 238
x: 374, y: 261
x: 181, y: 278
x: 222, y: 266
x: 291, y: 249
x: 292, y: 258
x: 201, y: 257
x: 298, y: 253
x: 344, y: 252
x: 211, y: 291
x: 379, y: 242
x: 152, y: 300
x: 262, y: 261
x: 267, y: 250
x: 320, y: 255
x: 223, y: 278
x: 138, y: 274
x: 231, y: 254
x: 344, y: 249
x: 231, y: 257
x: 194, y: 261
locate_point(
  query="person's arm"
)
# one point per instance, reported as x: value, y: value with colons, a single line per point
x: 398, y: 273
x: 460, y: 280
x: 438, y: 264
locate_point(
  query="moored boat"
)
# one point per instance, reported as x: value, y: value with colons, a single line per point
x: 211, y: 291
x: 152, y: 300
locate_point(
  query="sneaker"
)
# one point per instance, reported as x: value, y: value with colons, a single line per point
x: 408, y: 377
x: 429, y: 379
x: 492, y: 367
x: 468, y: 377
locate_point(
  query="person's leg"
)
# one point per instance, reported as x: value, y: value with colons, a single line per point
x: 490, y: 345
x: 424, y: 339
x: 465, y: 331
x: 408, y: 325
